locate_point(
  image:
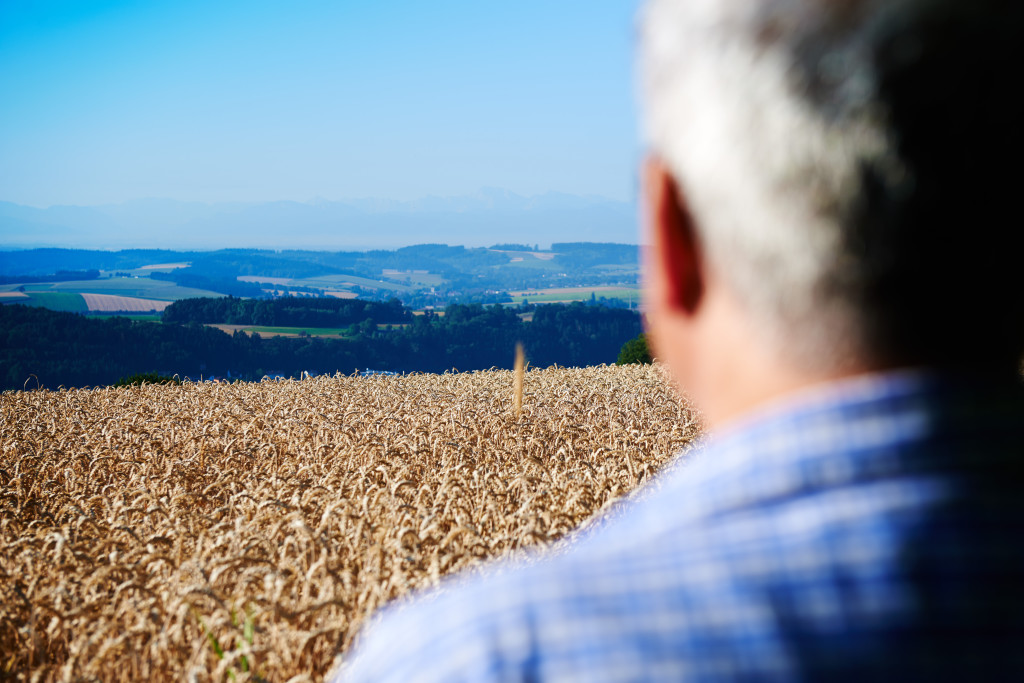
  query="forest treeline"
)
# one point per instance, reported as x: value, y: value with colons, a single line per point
x: 285, y: 312
x: 59, y: 276
x: 51, y: 349
x: 230, y: 286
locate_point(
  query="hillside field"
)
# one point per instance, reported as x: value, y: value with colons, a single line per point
x: 55, y: 301
x: 569, y: 294
x: 138, y: 287
x: 283, y: 331
x: 131, y: 294
x: 246, y: 531
x: 280, y: 331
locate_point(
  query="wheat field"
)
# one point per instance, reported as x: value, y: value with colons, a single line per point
x: 213, y: 532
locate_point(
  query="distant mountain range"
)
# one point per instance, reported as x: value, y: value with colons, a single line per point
x: 486, y: 217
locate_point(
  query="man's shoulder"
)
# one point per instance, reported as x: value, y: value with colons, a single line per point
x: 551, y: 615
x: 834, y: 513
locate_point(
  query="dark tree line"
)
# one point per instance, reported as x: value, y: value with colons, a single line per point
x: 59, y: 276
x: 49, y: 260
x: 72, y: 350
x: 285, y: 312
x: 231, y: 286
x: 580, y: 255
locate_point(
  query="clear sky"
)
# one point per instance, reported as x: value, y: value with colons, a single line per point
x: 104, y: 101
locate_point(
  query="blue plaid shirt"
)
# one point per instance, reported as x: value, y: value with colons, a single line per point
x: 869, y: 530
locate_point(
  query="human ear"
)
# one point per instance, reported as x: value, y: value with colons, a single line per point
x: 676, y: 256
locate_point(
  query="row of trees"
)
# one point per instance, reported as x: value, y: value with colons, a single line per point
x: 59, y: 276
x: 286, y: 312
x: 72, y: 350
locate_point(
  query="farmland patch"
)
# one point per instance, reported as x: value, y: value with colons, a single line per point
x: 270, y: 331
x: 141, y: 287
x: 56, y: 301
x: 165, y: 266
x: 128, y: 304
x: 570, y: 294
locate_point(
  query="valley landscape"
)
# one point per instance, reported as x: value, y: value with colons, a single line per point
x: 248, y: 313
x: 421, y: 276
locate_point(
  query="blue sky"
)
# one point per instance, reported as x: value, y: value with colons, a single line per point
x: 106, y: 101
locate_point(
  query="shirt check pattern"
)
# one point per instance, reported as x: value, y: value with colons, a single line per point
x: 872, y: 529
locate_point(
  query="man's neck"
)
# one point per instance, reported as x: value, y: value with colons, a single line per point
x: 739, y: 371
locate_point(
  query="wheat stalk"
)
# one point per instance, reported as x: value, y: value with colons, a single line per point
x: 517, y: 382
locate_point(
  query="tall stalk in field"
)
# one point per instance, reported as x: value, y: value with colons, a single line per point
x: 517, y: 382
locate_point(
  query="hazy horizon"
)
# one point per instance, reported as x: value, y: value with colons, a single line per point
x: 481, y: 218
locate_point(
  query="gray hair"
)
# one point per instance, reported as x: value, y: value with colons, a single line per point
x: 786, y: 124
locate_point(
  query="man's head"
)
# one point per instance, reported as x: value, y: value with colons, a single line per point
x: 845, y: 170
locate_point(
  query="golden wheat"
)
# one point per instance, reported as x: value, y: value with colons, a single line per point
x: 210, y: 531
